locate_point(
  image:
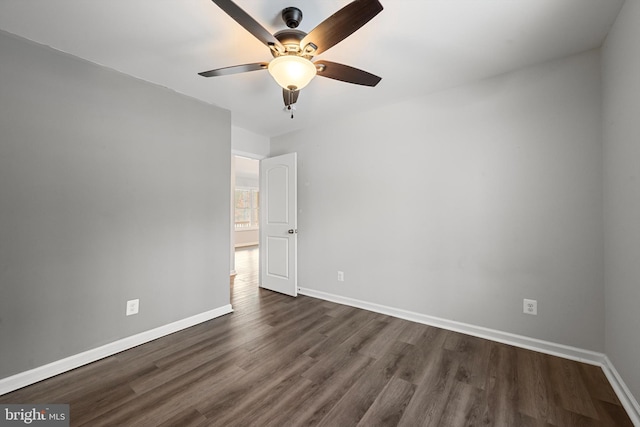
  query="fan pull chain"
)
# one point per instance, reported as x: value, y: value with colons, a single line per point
x: 290, y: 102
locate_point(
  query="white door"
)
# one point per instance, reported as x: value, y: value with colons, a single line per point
x: 278, y: 224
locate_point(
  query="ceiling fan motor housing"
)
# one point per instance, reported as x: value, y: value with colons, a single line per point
x: 292, y: 16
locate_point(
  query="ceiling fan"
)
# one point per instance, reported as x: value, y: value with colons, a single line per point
x: 293, y: 50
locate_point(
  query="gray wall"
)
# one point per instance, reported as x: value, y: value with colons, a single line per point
x: 462, y: 203
x: 621, y: 93
x: 111, y: 189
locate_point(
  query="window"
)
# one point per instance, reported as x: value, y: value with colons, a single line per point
x: 246, y: 208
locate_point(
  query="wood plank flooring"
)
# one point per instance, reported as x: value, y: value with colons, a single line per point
x: 281, y: 361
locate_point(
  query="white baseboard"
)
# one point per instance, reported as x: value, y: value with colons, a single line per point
x: 624, y: 394
x: 55, y: 368
x: 568, y: 352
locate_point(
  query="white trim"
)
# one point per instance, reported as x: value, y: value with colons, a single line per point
x: 59, y: 366
x: 246, y: 245
x: 561, y: 350
x: 233, y: 273
x: 248, y: 154
x: 629, y: 403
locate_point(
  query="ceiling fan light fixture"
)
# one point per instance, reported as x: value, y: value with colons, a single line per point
x: 292, y: 71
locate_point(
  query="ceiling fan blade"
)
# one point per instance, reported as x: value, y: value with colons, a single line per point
x: 346, y: 73
x: 249, y: 24
x: 341, y: 24
x: 235, y: 69
x: 290, y: 96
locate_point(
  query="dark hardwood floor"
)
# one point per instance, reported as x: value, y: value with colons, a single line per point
x: 281, y: 361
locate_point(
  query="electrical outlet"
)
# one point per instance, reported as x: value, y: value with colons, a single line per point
x: 340, y: 276
x: 530, y: 306
x: 133, y: 306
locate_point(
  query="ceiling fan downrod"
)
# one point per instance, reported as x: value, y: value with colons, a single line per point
x: 292, y: 16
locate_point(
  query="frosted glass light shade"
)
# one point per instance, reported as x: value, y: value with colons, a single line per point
x: 291, y: 70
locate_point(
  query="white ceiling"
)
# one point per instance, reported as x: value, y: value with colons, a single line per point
x: 416, y: 46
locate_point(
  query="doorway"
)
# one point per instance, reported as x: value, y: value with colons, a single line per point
x: 246, y: 202
x: 264, y: 212
x: 245, y: 206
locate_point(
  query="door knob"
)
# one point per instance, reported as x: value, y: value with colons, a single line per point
x: 292, y: 231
